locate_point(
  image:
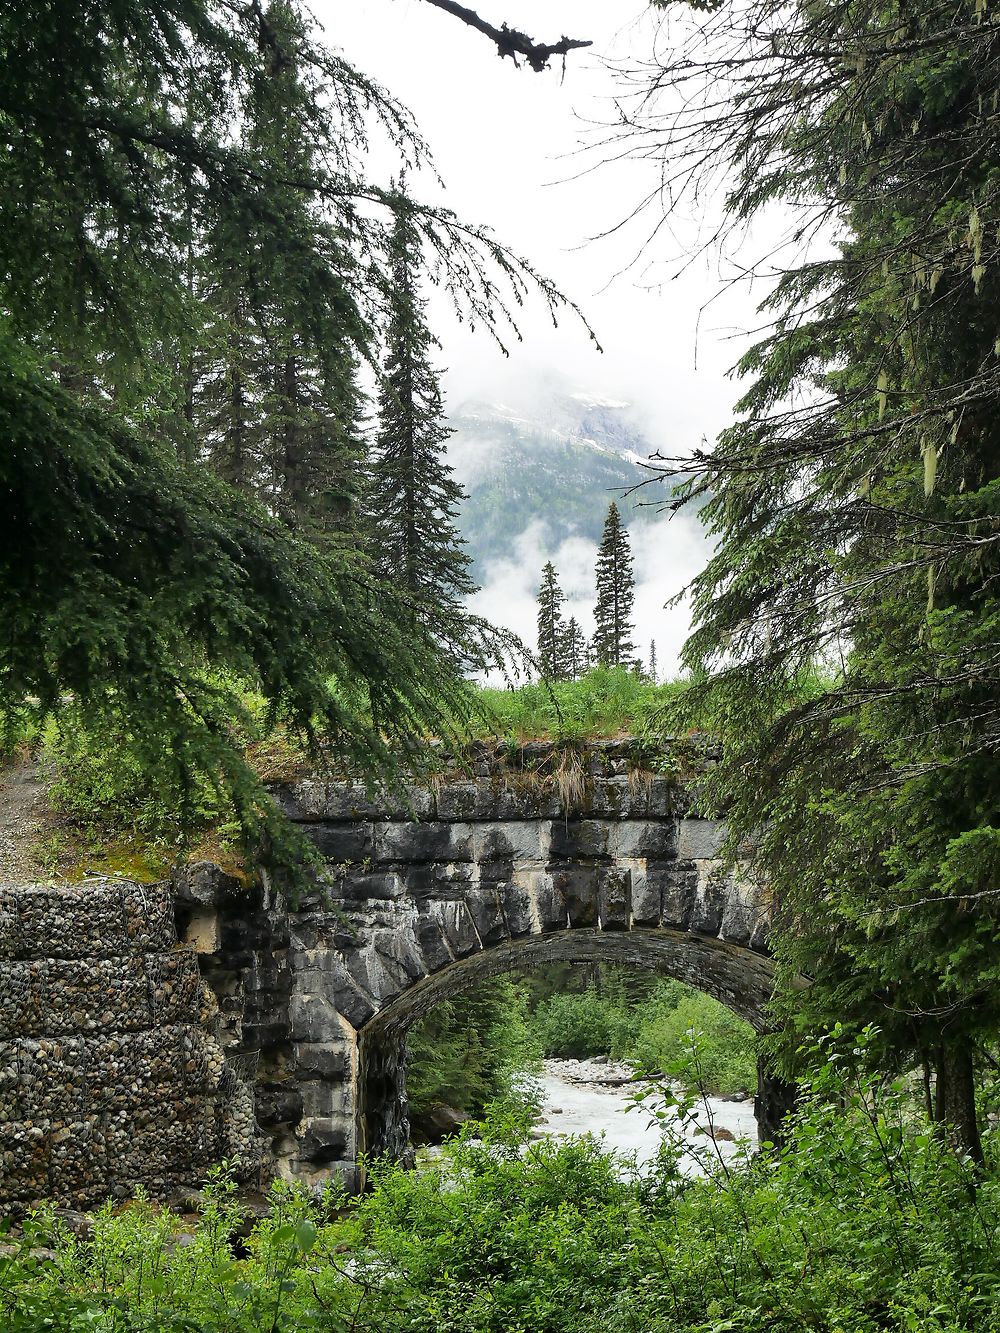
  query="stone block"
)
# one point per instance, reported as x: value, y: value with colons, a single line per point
x: 576, y: 838
x: 700, y: 839
x: 518, y: 909
x: 323, y: 1140
x: 204, y: 884
x: 467, y: 801
x: 486, y: 909
x: 644, y: 893
x: 457, y: 926
x: 653, y: 839
x: 678, y: 887
x: 311, y: 799
x: 322, y: 1060
x: 537, y: 800
x: 549, y: 908
x: 710, y: 902
x: 423, y: 842
x: 366, y: 886
x: 343, y: 844
x: 278, y: 1103
x: 578, y: 888
x: 511, y: 842
x: 614, y: 898
x: 320, y: 997
x: 433, y: 943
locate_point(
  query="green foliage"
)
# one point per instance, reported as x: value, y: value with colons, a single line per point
x: 414, y: 498
x: 653, y: 1024
x: 613, y: 629
x: 466, y: 1051
x: 853, y: 507
x: 602, y: 703
x: 186, y: 277
x: 551, y: 633
x: 866, y: 1223
x: 724, y: 1044
x: 576, y: 1026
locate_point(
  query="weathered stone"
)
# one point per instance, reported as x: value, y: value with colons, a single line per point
x: 678, y: 884
x: 572, y: 838
x: 700, y: 839
x: 278, y: 1104
x: 457, y: 926
x: 423, y: 842
x: 655, y: 840
x: 486, y: 909
x: 577, y: 887
x: 321, y: 1060
x: 110, y: 1070
x: 511, y: 842
x: 343, y: 844
x: 614, y: 898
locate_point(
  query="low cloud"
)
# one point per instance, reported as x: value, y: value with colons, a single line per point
x: 667, y: 554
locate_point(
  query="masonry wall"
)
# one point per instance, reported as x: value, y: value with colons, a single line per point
x: 111, y: 1073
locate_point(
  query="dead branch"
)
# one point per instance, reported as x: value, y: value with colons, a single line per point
x: 510, y: 42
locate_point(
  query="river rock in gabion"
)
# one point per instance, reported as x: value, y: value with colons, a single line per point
x: 111, y: 1072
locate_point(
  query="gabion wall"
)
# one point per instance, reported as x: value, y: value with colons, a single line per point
x: 110, y: 1073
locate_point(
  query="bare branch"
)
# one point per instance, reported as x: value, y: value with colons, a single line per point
x: 510, y: 42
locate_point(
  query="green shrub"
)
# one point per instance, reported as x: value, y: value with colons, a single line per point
x: 577, y: 1026
x: 866, y: 1223
x: 680, y: 1021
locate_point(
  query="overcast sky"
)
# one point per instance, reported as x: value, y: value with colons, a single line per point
x: 504, y: 140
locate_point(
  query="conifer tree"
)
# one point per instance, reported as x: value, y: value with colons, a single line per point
x: 652, y: 660
x: 551, y: 634
x: 414, y: 498
x: 612, y: 641
x: 574, y: 649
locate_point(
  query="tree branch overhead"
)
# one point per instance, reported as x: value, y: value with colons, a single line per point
x: 510, y: 42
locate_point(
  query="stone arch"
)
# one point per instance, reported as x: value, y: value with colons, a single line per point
x: 446, y: 886
x: 738, y: 977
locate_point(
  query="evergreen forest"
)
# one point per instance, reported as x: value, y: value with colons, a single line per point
x: 233, y: 557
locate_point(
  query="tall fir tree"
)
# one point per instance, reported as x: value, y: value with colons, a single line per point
x: 574, y: 650
x: 414, y: 498
x: 551, y: 632
x: 280, y: 403
x: 613, y: 644
x: 652, y: 661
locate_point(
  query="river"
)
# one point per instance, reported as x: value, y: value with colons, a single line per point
x: 588, y: 1097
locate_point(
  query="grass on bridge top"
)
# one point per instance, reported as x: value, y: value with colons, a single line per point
x: 604, y: 703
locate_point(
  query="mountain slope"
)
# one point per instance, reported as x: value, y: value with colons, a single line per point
x: 561, y: 464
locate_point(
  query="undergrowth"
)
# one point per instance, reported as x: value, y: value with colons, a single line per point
x: 865, y: 1223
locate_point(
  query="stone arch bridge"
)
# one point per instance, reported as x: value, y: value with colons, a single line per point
x: 459, y: 882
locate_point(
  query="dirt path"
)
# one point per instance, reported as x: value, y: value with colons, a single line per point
x: 25, y: 819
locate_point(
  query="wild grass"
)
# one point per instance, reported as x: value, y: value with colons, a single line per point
x: 603, y: 704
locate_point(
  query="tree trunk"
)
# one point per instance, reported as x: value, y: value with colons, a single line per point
x: 775, y: 1098
x: 955, y: 1099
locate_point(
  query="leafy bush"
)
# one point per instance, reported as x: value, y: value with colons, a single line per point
x: 577, y: 1026
x: 725, y: 1046
x: 866, y: 1223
